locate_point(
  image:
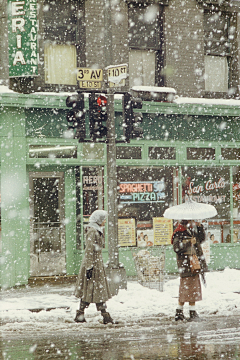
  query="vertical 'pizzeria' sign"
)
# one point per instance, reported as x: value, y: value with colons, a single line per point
x: 22, y: 38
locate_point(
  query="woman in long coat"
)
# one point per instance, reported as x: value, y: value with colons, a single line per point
x: 187, y: 242
x: 92, y: 285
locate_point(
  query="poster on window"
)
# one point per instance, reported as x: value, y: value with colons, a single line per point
x: 163, y: 229
x: 214, y: 236
x: 206, y: 250
x: 145, y: 238
x: 126, y: 232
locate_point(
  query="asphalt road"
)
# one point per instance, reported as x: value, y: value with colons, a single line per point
x: 211, y: 338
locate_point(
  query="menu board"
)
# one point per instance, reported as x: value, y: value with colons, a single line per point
x: 126, y: 232
x: 163, y: 229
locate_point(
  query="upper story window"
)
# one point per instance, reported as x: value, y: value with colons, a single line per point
x: 60, y: 31
x: 218, y: 38
x: 144, y: 31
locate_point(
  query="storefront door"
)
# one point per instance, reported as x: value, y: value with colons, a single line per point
x: 47, y: 230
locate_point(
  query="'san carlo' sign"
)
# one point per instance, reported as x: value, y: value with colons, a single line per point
x: 209, y: 191
x: 142, y: 191
x: 22, y: 38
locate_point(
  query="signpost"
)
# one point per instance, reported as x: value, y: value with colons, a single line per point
x: 117, y: 75
x: 89, y: 78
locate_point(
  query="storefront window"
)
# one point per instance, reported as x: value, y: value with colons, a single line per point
x: 144, y: 193
x: 236, y: 204
x: 157, y: 152
x: 91, y: 189
x: 230, y: 153
x: 210, y: 185
x: 200, y: 153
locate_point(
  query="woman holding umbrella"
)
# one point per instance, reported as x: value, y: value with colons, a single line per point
x: 186, y: 243
x: 186, y: 240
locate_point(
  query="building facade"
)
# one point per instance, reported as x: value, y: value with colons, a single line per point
x: 50, y: 183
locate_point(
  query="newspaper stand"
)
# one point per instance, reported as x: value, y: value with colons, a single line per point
x: 150, y: 269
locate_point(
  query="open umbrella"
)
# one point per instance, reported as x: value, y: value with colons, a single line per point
x: 190, y: 210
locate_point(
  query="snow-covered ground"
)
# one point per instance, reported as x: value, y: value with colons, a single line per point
x: 221, y: 297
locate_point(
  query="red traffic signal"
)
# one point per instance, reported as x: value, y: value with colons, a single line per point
x: 102, y: 101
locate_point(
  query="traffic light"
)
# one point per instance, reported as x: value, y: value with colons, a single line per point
x: 132, y: 119
x: 97, y: 116
x: 76, y: 116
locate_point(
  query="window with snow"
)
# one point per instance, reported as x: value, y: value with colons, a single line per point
x: 218, y: 39
x: 144, y: 31
x: 60, y: 64
x: 60, y: 31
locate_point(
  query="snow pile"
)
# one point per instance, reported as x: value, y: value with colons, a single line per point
x: 221, y: 297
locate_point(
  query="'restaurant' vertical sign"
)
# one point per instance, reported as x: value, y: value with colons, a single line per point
x: 22, y: 38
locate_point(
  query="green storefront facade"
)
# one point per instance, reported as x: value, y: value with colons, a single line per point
x: 50, y: 183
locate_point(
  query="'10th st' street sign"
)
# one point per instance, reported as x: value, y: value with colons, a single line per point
x: 22, y: 38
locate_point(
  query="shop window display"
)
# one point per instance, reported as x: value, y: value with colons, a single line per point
x: 144, y: 193
x: 91, y: 188
x: 210, y: 185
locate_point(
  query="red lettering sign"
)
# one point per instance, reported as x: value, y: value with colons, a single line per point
x: 135, y: 187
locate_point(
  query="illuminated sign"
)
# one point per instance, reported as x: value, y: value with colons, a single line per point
x: 207, y: 191
x: 142, y: 191
x: 22, y: 38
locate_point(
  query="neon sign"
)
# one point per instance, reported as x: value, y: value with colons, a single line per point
x: 142, y: 191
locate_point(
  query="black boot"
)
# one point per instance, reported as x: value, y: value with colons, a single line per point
x: 193, y: 316
x: 179, y: 315
x: 79, y: 318
x: 107, y: 318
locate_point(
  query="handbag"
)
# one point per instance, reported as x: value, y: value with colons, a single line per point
x: 194, y: 263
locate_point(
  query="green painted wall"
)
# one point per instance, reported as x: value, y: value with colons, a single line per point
x: 14, y: 199
x: 41, y: 119
x: 51, y: 123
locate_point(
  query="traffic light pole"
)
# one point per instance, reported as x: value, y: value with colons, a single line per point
x: 116, y: 273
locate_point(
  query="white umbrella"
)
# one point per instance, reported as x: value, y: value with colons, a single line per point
x: 190, y: 210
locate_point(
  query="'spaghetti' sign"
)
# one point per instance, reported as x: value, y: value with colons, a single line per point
x: 142, y: 191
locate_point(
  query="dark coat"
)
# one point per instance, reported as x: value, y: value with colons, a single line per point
x: 96, y: 289
x: 183, y: 248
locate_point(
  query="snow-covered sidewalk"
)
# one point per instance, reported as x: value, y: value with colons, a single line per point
x: 221, y: 297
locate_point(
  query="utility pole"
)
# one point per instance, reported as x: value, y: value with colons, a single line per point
x: 116, y: 274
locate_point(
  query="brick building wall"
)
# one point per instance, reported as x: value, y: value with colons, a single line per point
x: 184, y: 47
x: 183, y: 32
x: 97, y: 36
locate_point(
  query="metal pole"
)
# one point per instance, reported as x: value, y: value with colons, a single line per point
x: 112, y: 185
x: 116, y: 274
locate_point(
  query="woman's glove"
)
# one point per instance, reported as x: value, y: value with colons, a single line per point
x: 193, y: 240
x: 89, y: 273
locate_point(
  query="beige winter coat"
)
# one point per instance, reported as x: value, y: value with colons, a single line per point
x: 96, y: 289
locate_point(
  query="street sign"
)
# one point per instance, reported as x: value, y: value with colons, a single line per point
x: 117, y: 75
x: 89, y: 78
x: 90, y: 84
